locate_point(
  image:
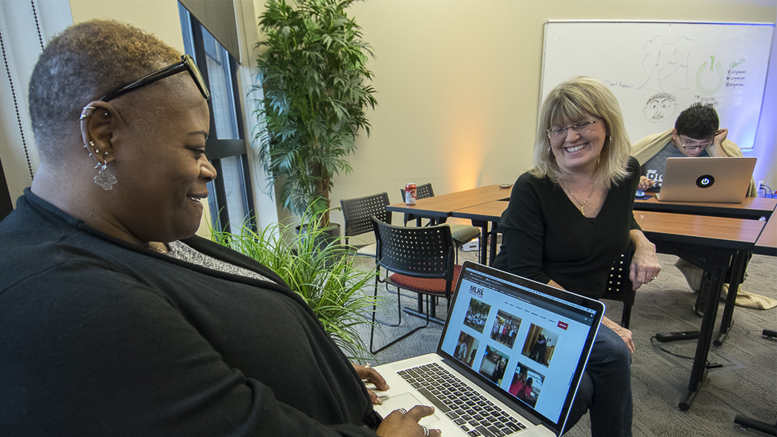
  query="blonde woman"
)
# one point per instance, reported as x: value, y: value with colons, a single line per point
x: 568, y: 220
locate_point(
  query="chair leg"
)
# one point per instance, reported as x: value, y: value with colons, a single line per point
x: 403, y: 336
x: 374, y: 319
x: 375, y: 310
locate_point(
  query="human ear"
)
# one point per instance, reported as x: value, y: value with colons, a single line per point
x: 98, y: 121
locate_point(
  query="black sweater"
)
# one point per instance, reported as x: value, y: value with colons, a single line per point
x: 546, y: 237
x: 99, y: 337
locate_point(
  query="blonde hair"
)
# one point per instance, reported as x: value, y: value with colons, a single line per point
x: 570, y: 102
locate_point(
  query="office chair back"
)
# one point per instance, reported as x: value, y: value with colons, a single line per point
x: 415, y: 259
x: 357, y: 213
x: 423, y: 253
x: 619, y: 286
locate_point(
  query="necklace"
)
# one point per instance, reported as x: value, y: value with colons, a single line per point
x: 158, y: 247
x: 582, y: 204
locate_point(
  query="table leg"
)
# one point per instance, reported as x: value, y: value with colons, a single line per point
x: 483, y: 239
x: 484, y: 243
x: 699, y: 369
x: 737, y: 276
x: 492, y: 252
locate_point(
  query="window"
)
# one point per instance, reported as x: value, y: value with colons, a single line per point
x: 230, y: 198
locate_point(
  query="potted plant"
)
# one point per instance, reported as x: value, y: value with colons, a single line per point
x: 315, y: 88
x: 331, y: 284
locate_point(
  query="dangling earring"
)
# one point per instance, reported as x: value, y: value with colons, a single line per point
x: 105, y: 178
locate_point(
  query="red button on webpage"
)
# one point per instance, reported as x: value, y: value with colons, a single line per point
x: 563, y: 325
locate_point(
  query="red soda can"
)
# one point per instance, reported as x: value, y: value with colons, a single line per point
x: 410, y: 194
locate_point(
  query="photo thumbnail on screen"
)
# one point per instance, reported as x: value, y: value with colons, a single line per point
x: 466, y: 348
x: 505, y: 328
x: 476, y: 316
x: 540, y: 344
x: 494, y: 364
x: 526, y: 384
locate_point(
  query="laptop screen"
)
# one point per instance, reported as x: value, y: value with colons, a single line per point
x: 529, y: 340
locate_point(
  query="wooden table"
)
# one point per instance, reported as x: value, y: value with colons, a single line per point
x: 439, y: 208
x: 711, y: 243
x: 751, y: 207
x: 758, y: 208
x: 442, y: 205
x: 481, y: 215
x: 767, y: 242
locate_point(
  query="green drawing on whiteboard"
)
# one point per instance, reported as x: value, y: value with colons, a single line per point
x: 707, y: 80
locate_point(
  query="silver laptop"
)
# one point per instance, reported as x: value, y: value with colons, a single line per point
x: 510, y: 358
x: 714, y: 180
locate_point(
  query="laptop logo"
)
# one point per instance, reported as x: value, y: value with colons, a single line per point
x: 705, y: 181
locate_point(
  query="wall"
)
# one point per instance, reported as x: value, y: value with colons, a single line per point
x: 458, y: 85
x: 766, y: 136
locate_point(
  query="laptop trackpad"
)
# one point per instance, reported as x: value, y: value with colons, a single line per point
x: 407, y: 401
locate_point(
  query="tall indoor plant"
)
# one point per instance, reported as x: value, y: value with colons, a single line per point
x: 316, y: 90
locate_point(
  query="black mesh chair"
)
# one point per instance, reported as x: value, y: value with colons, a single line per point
x: 416, y: 259
x: 619, y: 286
x: 462, y: 234
x: 357, y: 213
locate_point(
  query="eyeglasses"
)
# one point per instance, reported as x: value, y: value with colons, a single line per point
x: 186, y: 64
x: 558, y: 133
x: 689, y: 144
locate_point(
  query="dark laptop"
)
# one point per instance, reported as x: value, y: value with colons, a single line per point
x: 709, y: 179
x: 509, y: 359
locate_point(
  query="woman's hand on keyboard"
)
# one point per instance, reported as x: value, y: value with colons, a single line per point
x: 405, y: 424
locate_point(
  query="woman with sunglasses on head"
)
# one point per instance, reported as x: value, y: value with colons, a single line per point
x: 116, y: 319
x: 568, y: 220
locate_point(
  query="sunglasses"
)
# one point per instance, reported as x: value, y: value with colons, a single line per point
x: 186, y: 64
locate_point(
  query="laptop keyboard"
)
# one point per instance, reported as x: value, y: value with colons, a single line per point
x: 474, y: 414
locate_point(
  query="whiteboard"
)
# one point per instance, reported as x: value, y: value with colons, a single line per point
x: 657, y: 69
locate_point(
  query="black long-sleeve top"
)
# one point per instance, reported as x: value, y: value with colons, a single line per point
x: 99, y: 337
x: 546, y: 237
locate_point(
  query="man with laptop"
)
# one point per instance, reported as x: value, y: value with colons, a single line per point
x: 696, y: 134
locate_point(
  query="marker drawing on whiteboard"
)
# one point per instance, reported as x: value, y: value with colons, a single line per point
x: 710, y: 80
x: 660, y: 107
x: 666, y: 64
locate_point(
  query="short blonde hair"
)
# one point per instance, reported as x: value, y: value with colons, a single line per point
x: 570, y: 102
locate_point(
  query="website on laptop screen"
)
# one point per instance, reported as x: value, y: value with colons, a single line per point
x: 527, y: 343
